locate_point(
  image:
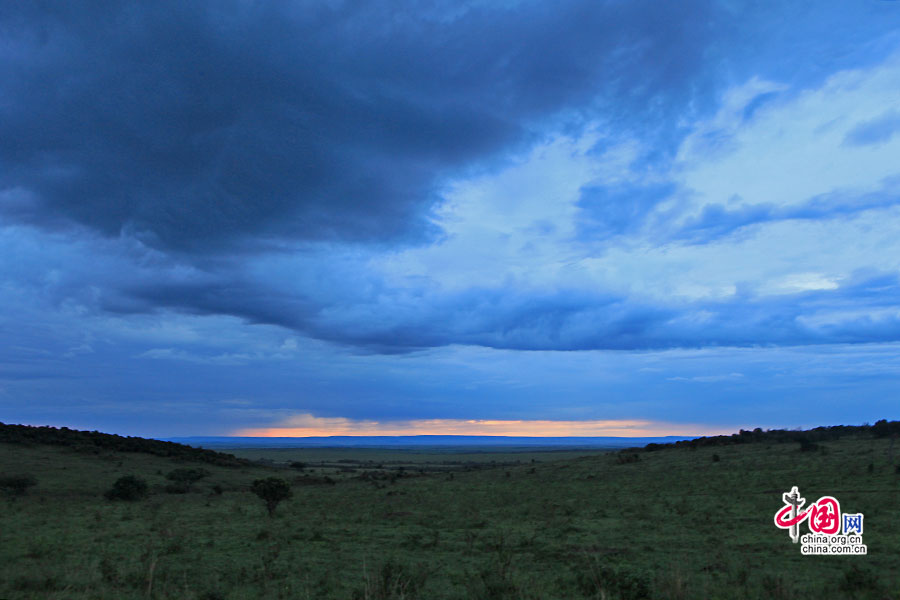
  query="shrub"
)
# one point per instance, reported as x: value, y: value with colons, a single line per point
x: 177, y: 488
x: 808, y: 446
x: 128, y: 488
x: 271, y: 490
x: 298, y: 465
x: 183, y: 479
x: 17, y: 485
x: 885, y: 428
x: 624, y: 458
x: 716, y: 458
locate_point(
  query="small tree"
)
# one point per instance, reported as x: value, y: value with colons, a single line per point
x: 17, y: 485
x: 128, y: 488
x: 271, y: 490
x: 183, y: 479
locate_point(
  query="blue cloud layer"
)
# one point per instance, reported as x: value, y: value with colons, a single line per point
x: 204, y: 126
x: 398, y: 206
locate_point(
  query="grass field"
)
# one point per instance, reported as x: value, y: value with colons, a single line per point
x: 675, y: 523
x: 340, y: 462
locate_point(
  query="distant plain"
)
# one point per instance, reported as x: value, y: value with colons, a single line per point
x: 376, y: 523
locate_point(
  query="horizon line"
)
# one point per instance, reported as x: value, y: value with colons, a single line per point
x: 441, y: 435
x: 308, y: 425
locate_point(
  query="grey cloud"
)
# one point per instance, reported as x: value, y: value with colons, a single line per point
x: 563, y: 320
x: 201, y: 126
x: 206, y: 128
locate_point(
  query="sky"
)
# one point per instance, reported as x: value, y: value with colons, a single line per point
x: 491, y: 218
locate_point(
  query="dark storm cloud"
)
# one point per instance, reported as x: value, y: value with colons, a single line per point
x: 196, y: 126
x: 251, y: 302
x: 202, y: 129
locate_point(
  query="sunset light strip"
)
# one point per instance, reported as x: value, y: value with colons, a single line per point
x: 307, y: 425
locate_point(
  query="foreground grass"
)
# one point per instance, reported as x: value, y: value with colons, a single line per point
x: 673, y: 524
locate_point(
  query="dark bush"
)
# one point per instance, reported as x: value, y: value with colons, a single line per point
x: 272, y: 490
x: 716, y: 458
x: 808, y: 446
x: 885, y: 428
x: 17, y: 485
x: 177, y: 488
x: 627, y: 457
x: 183, y: 479
x: 298, y: 465
x: 128, y: 488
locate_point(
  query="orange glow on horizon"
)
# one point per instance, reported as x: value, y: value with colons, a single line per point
x: 306, y: 425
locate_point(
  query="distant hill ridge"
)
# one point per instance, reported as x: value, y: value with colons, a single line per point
x: 94, y: 441
x: 882, y: 428
x: 807, y: 438
x: 422, y: 441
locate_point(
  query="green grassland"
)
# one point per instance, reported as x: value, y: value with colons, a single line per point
x: 340, y: 461
x: 674, y: 523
